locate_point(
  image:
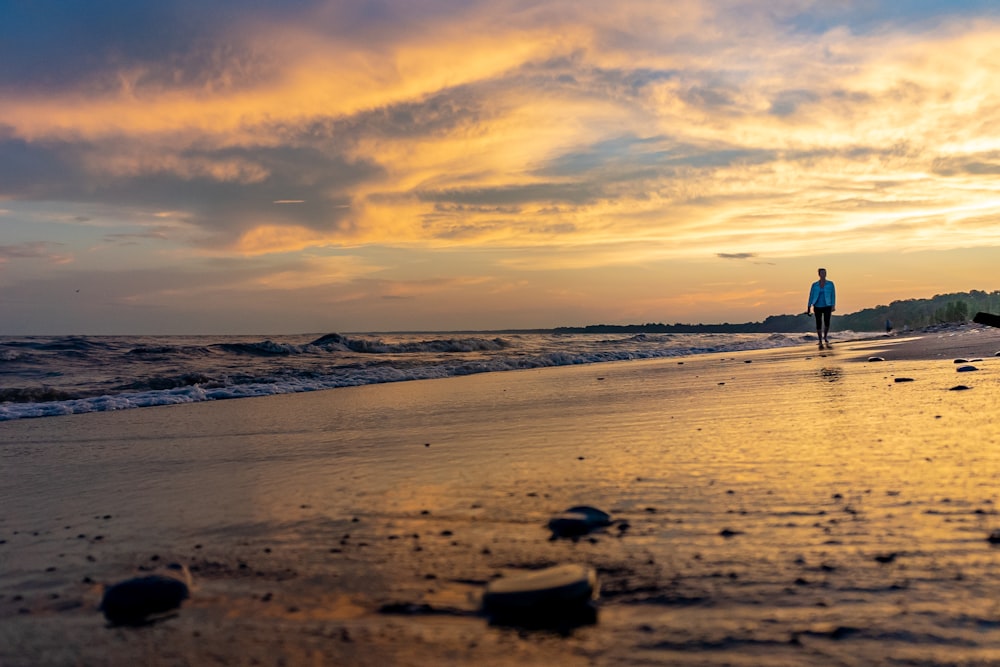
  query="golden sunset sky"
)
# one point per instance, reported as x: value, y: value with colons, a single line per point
x: 304, y: 166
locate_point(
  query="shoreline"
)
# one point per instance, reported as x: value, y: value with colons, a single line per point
x: 124, y: 373
x: 360, y: 526
x: 969, y: 341
x: 183, y: 374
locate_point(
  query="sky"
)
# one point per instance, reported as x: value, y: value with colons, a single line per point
x: 309, y: 166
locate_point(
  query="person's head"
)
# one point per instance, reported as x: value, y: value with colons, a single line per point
x: 822, y: 274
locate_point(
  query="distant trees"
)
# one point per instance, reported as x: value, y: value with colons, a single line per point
x: 955, y: 311
x: 917, y: 313
x: 911, y: 313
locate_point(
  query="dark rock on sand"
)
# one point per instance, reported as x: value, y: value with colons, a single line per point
x: 134, y: 601
x: 961, y: 361
x: 903, y: 380
x: 876, y: 358
x: 987, y: 318
x: 559, y: 596
x: 994, y: 537
x: 577, y: 521
x: 966, y: 369
x: 959, y: 387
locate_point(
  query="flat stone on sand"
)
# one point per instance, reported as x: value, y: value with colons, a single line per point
x: 553, y: 589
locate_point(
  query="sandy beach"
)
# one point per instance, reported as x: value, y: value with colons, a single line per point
x: 780, y: 507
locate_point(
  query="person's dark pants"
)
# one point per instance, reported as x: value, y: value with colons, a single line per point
x: 823, y: 316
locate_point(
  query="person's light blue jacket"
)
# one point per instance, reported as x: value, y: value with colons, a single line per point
x: 829, y: 293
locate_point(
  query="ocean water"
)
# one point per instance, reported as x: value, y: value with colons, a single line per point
x: 59, y: 375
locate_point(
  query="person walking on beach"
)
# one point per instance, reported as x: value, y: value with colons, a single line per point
x: 822, y: 301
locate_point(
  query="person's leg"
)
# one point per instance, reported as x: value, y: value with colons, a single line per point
x: 827, y: 315
x: 819, y: 325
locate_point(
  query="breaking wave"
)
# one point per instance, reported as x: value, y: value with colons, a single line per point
x: 47, y: 376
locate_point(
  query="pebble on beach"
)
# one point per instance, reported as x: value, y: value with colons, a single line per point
x: 134, y: 601
x: 876, y: 358
x: 577, y: 521
x: 554, y: 596
x: 966, y: 369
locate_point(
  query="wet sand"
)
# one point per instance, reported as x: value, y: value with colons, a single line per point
x: 784, y: 507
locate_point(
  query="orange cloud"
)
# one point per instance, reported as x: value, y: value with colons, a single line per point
x: 659, y: 126
x: 273, y: 239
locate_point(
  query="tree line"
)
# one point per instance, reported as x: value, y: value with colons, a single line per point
x: 905, y: 314
x: 919, y: 313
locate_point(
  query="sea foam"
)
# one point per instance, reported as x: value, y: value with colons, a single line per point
x: 49, y: 376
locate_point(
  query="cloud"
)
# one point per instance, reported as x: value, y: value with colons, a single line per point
x: 594, y: 134
x: 134, y: 238
x: 50, y: 252
x: 53, y: 45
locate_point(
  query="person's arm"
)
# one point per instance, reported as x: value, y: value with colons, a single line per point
x: 813, y: 293
x: 833, y: 297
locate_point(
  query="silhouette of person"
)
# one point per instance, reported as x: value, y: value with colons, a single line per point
x: 822, y: 302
